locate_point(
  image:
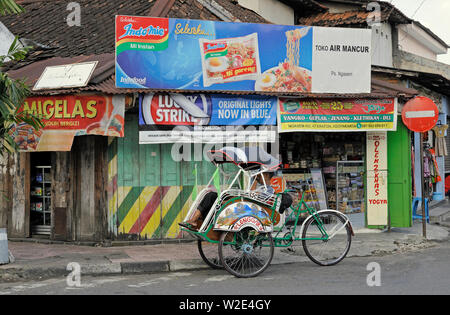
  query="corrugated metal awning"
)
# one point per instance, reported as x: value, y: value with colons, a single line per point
x: 103, y: 81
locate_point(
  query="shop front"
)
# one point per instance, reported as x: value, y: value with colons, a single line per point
x: 59, y: 191
x: 338, y: 150
x: 216, y: 84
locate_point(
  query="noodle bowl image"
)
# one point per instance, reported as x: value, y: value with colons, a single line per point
x: 289, y: 76
x: 287, y: 79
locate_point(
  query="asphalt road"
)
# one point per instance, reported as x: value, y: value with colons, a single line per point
x: 425, y: 271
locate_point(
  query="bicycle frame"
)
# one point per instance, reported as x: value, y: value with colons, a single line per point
x: 288, y: 240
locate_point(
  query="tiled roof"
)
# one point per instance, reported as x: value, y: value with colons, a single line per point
x: 335, y: 19
x: 44, y: 22
x: 355, y: 17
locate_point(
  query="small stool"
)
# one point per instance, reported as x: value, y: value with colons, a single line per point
x: 415, y: 206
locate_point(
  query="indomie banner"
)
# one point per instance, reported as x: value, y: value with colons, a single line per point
x: 67, y: 116
x: 337, y: 114
x: 179, y: 54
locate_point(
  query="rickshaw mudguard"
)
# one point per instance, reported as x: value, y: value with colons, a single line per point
x: 242, y: 214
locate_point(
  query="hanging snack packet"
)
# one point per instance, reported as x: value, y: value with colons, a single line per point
x: 230, y: 59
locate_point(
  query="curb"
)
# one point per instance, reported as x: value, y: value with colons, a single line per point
x: 105, y: 243
x: 14, y: 274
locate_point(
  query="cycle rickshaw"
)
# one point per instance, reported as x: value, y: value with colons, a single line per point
x: 238, y: 232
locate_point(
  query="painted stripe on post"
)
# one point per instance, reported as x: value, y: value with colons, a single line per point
x: 171, y: 214
x: 128, y: 202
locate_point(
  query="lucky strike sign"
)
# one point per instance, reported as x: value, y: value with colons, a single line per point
x: 67, y: 116
x: 165, y: 111
x: 204, y: 118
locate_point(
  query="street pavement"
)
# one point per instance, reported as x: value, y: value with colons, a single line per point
x: 415, y: 272
x: 35, y: 260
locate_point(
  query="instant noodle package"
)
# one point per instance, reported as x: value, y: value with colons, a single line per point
x: 230, y: 59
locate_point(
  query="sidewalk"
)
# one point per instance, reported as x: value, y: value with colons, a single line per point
x: 40, y: 261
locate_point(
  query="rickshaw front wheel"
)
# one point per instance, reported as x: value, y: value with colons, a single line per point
x: 208, y: 252
x: 246, y: 253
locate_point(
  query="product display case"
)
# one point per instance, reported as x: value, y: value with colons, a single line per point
x: 336, y: 155
x: 311, y: 183
x: 41, y: 200
x: 350, y: 186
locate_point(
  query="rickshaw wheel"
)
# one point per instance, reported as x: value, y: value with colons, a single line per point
x: 246, y: 253
x: 209, y: 253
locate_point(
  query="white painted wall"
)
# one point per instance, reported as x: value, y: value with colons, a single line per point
x: 272, y: 10
x: 382, y: 45
x: 413, y: 46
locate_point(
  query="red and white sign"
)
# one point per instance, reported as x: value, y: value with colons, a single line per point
x: 377, y: 178
x: 420, y: 114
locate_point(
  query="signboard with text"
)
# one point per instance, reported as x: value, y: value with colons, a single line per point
x: 67, y: 116
x: 65, y: 76
x: 337, y: 114
x: 165, y: 118
x: 180, y: 54
x: 377, y: 179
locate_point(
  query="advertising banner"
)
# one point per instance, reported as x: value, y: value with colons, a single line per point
x: 377, y: 179
x: 179, y: 54
x: 67, y: 116
x: 334, y: 114
x: 202, y: 118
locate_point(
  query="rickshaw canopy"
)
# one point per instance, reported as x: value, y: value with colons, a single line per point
x: 247, y: 158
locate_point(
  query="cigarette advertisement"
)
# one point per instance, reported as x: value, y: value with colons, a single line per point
x: 67, y: 116
x: 337, y: 114
x: 192, y: 55
x: 204, y: 118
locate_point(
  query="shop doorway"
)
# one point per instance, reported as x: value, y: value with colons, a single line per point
x: 40, y: 193
x: 329, y: 168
